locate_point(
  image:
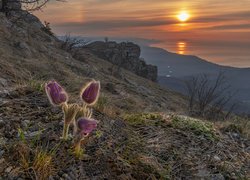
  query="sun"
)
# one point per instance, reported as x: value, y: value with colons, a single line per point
x: 183, y: 16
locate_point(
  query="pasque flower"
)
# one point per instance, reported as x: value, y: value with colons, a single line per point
x: 56, y: 94
x: 90, y: 92
x: 78, y: 115
x: 85, y: 126
x: 58, y: 97
x: 81, y: 112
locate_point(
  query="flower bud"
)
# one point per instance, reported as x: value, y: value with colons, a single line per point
x: 90, y: 92
x: 56, y: 94
x: 86, y: 126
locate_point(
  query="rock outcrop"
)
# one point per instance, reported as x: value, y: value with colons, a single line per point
x: 11, y: 5
x: 125, y: 55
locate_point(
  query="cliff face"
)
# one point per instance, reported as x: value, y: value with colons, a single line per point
x: 125, y: 55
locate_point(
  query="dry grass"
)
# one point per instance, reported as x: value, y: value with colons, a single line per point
x: 36, y: 163
x: 105, y: 106
x: 235, y: 125
x: 43, y: 164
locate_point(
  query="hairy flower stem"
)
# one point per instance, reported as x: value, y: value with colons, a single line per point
x: 78, y: 149
x: 77, y: 146
x: 74, y: 127
x: 70, y: 111
x: 65, y: 131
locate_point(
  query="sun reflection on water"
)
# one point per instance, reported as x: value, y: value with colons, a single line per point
x: 181, y: 46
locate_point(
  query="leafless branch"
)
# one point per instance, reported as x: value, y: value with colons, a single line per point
x: 208, y: 97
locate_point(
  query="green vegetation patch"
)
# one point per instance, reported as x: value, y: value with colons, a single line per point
x: 198, y: 127
x: 143, y: 118
x: 36, y: 85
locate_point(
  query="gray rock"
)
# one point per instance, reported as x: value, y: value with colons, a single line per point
x: 236, y: 135
x: 1, y: 153
x: 15, y: 5
x: 4, y: 93
x: 33, y: 134
x: 216, y: 158
x: 3, y: 82
x: 8, y: 169
x: 217, y: 177
x: 25, y: 123
x: 61, y: 123
x: 125, y: 55
x: 202, y: 173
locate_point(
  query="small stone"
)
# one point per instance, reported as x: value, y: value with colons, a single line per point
x: 1, y: 153
x: 217, y: 177
x: 236, y: 135
x: 33, y: 134
x: 217, y: 158
x: 61, y: 123
x: 25, y: 123
x: 8, y: 169
x: 3, y: 82
x: 220, y: 145
x: 66, y: 176
x: 4, y: 93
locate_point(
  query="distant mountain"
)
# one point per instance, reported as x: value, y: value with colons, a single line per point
x: 174, y: 68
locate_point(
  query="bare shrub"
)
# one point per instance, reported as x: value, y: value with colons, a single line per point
x: 209, y: 98
x: 73, y: 44
x: 47, y: 28
x: 28, y: 5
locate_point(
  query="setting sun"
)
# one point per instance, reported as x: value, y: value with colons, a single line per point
x: 183, y: 16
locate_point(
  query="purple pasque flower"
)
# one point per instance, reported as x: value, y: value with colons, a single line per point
x: 90, y: 92
x: 56, y: 94
x: 86, y: 125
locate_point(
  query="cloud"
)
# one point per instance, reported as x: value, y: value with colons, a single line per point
x: 222, y: 17
x: 227, y: 20
x: 113, y: 24
x: 231, y: 27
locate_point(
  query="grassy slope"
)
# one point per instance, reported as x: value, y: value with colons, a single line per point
x: 44, y: 61
x: 126, y: 145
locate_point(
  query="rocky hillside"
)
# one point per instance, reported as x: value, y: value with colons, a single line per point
x: 140, y: 134
x: 126, y: 55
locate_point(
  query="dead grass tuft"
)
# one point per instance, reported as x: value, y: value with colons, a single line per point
x: 105, y: 106
x: 235, y: 125
x: 37, y: 163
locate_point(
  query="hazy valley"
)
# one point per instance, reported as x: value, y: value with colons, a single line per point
x: 173, y: 69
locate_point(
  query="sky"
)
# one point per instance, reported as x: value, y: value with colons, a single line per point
x: 217, y: 30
